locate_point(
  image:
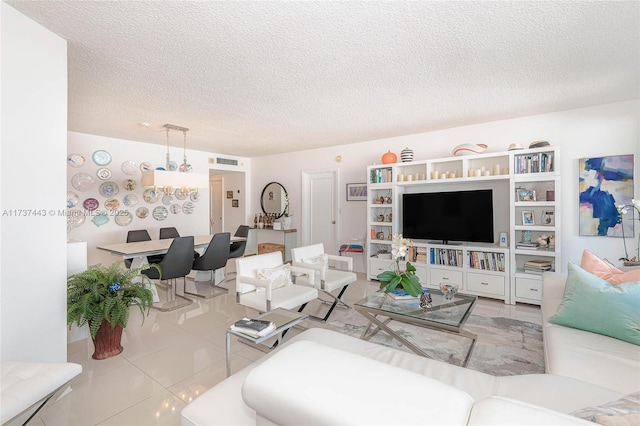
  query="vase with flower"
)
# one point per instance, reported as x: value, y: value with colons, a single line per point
x: 622, y: 210
x: 405, y: 279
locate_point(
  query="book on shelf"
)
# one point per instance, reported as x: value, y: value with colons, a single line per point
x: 529, y: 246
x: 535, y: 271
x: 253, y: 327
x: 538, y: 263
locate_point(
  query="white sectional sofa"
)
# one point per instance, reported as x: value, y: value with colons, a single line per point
x: 590, y: 357
x: 323, y: 377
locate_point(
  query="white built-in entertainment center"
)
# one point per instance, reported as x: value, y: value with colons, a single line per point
x: 526, y: 205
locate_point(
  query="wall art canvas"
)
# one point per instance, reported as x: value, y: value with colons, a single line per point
x: 605, y: 182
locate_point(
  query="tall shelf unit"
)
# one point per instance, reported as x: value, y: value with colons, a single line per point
x: 486, y: 270
x: 535, y: 176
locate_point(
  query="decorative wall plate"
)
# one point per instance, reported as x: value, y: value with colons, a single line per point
x: 72, y: 199
x: 129, y: 184
x: 109, y: 189
x: 188, y: 207
x: 90, y: 204
x: 175, y: 208
x: 195, y: 197
x: 82, y: 182
x: 129, y: 168
x: 167, y: 200
x: 124, y: 218
x: 142, y: 212
x: 189, y: 169
x: 179, y: 194
x: 130, y: 200
x: 145, y: 166
x: 75, y: 160
x: 100, y: 219
x: 75, y: 218
x: 111, y: 204
x: 101, y: 158
x: 150, y: 196
x: 103, y: 174
x: 173, y: 166
x: 160, y: 213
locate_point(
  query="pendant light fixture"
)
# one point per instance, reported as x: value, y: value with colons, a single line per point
x: 166, y: 180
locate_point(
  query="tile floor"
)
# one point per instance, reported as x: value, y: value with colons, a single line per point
x: 175, y: 356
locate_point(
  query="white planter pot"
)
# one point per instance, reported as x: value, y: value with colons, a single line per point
x: 286, y: 222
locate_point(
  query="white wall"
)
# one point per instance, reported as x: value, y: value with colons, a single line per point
x: 611, y: 129
x: 125, y: 150
x: 234, y: 216
x: 34, y: 120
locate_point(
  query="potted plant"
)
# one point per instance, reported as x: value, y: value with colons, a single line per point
x: 101, y: 297
x: 407, y: 279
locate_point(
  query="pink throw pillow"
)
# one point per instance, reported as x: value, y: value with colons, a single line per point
x: 598, y: 267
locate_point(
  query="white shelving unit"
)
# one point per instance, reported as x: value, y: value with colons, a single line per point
x: 534, y: 171
x: 503, y: 172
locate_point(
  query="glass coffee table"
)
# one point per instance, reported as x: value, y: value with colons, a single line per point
x: 448, y: 316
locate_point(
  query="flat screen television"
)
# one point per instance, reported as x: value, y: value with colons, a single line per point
x: 463, y: 216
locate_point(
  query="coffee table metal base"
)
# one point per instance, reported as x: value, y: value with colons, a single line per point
x: 382, y: 325
x: 283, y: 319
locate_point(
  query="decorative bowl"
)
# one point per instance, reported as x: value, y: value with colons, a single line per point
x: 448, y: 290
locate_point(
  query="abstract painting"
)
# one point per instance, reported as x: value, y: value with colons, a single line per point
x: 605, y: 182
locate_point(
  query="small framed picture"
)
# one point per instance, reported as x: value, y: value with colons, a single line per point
x: 523, y: 194
x: 229, y: 194
x: 527, y: 217
x: 548, y: 218
x: 234, y: 203
x: 356, y: 192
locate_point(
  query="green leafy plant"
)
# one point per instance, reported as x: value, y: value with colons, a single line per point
x: 106, y: 293
x: 407, y: 279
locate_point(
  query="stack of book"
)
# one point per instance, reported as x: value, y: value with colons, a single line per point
x: 537, y: 266
x: 527, y: 245
x: 253, y: 327
x: 402, y: 294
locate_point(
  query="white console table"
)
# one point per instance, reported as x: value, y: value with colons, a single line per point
x: 288, y: 238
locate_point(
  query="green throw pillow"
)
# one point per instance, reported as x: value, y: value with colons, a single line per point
x: 592, y: 304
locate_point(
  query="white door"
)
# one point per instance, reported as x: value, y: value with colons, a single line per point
x: 216, y: 212
x: 320, y: 207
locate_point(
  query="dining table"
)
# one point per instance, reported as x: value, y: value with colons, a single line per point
x: 139, y: 251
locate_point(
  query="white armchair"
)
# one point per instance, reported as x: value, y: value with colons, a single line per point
x: 327, y: 280
x: 264, y: 283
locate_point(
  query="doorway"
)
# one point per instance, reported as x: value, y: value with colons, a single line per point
x: 216, y: 210
x: 320, y: 222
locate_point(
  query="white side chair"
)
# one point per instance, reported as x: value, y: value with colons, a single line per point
x: 263, y: 282
x: 327, y: 280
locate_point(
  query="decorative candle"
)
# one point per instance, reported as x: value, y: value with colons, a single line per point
x: 496, y: 169
x: 434, y: 175
x: 487, y: 172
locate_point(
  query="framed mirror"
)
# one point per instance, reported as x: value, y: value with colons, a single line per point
x: 274, y: 199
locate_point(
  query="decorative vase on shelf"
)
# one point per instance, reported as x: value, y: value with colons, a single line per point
x: 389, y: 158
x: 469, y: 149
x: 287, y: 222
x: 406, y: 155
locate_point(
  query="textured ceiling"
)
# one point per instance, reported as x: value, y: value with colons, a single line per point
x: 255, y: 78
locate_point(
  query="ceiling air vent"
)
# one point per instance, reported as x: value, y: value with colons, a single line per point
x: 227, y: 161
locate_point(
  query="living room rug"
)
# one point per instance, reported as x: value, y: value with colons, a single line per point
x: 504, y: 346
